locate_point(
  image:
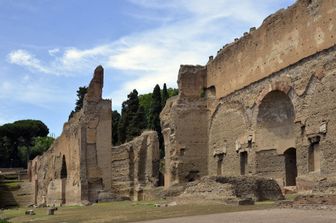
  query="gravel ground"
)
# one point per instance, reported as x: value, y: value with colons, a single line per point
x: 261, y: 216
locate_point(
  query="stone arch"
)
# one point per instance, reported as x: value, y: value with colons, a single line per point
x: 280, y: 85
x: 228, y: 123
x: 275, y: 122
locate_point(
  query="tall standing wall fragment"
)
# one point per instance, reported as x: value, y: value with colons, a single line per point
x: 73, y: 169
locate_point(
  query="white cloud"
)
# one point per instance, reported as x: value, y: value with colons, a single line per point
x: 24, y: 58
x: 53, y: 52
x: 154, y: 56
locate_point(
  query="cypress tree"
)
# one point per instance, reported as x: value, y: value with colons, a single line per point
x: 81, y: 92
x: 123, y: 123
x: 137, y: 124
x: 132, y: 129
x: 133, y: 118
x: 156, y: 107
x: 140, y: 119
x: 154, y: 122
x: 165, y: 95
x: 115, y: 123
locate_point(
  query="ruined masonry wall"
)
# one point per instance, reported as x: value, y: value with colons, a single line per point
x: 283, y: 39
x: 135, y: 166
x: 77, y: 165
x: 184, y: 128
x: 47, y: 169
x: 263, y: 106
x: 310, y: 86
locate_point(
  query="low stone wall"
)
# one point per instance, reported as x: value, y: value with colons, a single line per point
x: 135, y: 166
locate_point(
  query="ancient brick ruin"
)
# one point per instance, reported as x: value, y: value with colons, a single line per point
x: 82, y: 165
x: 263, y: 106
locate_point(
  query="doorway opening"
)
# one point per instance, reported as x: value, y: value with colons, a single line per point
x: 220, y: 159
x: 64, y: 175
x: 290, y: 167
x: 243, y: 162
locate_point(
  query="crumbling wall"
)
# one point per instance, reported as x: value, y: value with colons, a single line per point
x: 283, y: 39
x: 184, y: 127
x: 231, y: 189
x: 309, y: 86
x: 268, y: 101
x: 135, y: 166
x: 228, y: 123
x: 96, y: 150
x: 47, y: 168
x: 270, y: 164
x: 77, y: 165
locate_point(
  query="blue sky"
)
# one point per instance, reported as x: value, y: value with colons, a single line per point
x: 49, y: 48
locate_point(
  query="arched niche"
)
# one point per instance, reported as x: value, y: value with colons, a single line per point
x: 227, y: 124
x: 275, y: 122
x: 64, y: 172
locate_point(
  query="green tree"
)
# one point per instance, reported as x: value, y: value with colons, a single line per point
x: 165, y: 95
x: 173, y: 92
x: 138, y: 123
x: 133, y: 129
x: 81, y: 92
x: 154, y: 121
x: 155, y: 109
x: 128, y: 113
x: 133, y: 118
x: 40, y: 145
x: 145, y: 100
x: 19, y: 134
x: 123, y: 123
x: 115, y: 123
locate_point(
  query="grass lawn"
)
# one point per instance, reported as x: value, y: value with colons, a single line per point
x: 10, y: 184
x: 125, y: 211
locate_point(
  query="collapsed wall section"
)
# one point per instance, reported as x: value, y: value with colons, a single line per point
x: 135, y: 166
x: 184, y: 127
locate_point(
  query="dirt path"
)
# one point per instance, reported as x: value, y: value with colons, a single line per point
x: 262, y: 216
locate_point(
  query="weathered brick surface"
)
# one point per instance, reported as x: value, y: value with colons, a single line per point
x: 267, y: 94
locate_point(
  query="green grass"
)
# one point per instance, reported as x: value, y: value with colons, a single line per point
x: 124, y: 212
x: 290, y: 197
x: 11, y: 184
x: 10, y: 176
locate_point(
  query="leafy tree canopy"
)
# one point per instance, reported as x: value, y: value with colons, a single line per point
x: 18, y: 134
